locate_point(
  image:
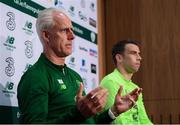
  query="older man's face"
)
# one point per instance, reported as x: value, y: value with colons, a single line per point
x: 61, y: 36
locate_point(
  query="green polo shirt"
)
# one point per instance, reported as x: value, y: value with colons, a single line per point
x: 46, y: 94
x: 137, y: 114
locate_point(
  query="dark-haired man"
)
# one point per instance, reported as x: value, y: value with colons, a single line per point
x: 127, y: 59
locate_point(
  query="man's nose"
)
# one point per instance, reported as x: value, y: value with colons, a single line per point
x: 71, y: 35
x: 139, y: 58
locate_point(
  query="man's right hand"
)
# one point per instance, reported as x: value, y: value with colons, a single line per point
x: 124, y: 103
x: 93, y: 102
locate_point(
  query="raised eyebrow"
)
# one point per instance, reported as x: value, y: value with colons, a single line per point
x: 134, y: 52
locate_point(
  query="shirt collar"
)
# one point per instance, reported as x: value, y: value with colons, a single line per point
x: 47, y: 61
x: 117, y: 72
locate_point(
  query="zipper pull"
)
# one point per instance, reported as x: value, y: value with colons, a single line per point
x: 63, y: 71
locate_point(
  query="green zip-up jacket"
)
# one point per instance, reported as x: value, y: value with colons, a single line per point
x: 46, y: 94
x: 136, y: 115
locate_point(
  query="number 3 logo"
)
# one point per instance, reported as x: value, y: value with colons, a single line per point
x: 11, y: 22
x: 10, y: 70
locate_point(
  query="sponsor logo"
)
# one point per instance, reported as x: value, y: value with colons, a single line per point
x: 78, y: 30
x: 72, y: 62
x: 83, y: 66
x: 92, y: 7
x: 27, y: 67
x: 24, y: 4
x: 8, y: 90
x: 60, y: 81
x: 93, y: 68
x: 27, y: 28
x: 83, y: 49
x: 93, y: 37
x: 10, y: 70
x: 92, y: 22
x: 10, y: 23
x: 18, y: 115
x: 29, y: 49
x: 59, y: 4
x: 9, y: 43
x: 135, y: 113
x: 82, y: 16
x: 93, y: 53
x: 62, y: 85
x: 71, y: 10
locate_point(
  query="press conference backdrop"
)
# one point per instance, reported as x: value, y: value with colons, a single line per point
x: 20, y: 46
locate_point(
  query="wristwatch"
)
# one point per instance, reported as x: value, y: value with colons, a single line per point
x: 111, y: 114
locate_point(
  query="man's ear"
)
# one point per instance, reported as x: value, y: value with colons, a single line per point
x: 45, y: 36
x: 119, y: 58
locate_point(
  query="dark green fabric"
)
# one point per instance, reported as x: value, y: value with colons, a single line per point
x: 46, y: 94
